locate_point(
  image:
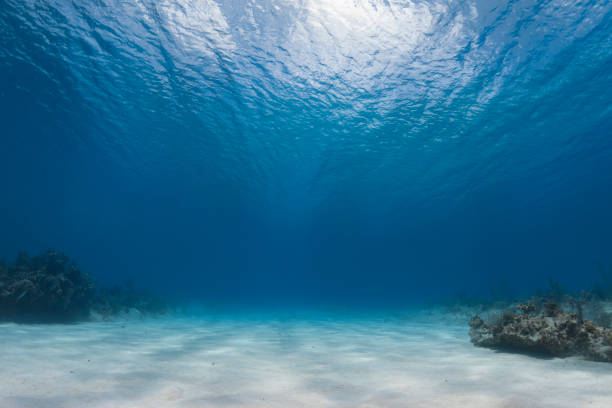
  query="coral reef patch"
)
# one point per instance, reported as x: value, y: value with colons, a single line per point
x: 549, y: 332
x: 51, y: 288
x: 48, y: 287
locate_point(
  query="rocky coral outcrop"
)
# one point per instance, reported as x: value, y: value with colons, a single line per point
x: 550, y: 332
x: 51, y: 288
x: 48, y: 287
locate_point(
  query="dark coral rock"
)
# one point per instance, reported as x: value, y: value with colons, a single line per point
x: 552, y: 333
x: 527, y: 308
x: 47, y: 288
x: 50, y: 288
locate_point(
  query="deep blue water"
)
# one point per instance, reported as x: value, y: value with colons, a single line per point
x: 310, y: 150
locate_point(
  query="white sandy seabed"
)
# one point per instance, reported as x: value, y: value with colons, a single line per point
x: 414, y: 360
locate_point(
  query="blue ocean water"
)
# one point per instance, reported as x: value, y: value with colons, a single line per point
x: 313, y: 150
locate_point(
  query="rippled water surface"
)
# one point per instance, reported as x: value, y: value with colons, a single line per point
x: 324, y: 148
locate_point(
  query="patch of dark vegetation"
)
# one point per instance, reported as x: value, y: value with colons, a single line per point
x: 51, y: 288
